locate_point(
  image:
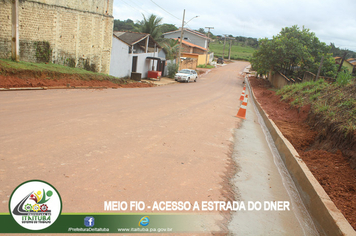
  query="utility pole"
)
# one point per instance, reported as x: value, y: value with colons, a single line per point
x: 15, y: 31
x: 206, y: 60
x: 342, y: 62
x: 230, y: 47
x: 321, y: 64
x: 224, y: 46
x: 180, y: 41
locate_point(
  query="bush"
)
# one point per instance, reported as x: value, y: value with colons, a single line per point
x: 206, y: 66
x: 343, y: 78
x: 172, y: 69
x: 43, y: 51
x: 70, y: 62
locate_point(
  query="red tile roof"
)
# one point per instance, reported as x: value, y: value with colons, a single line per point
x: 352, y: 61
x: 191, y: 45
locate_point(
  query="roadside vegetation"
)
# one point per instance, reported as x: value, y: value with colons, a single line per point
x: 334, y: 103
x: 22, y: 65
x: 293, y: 52
x: 206, y: 66
x: 54, y: 71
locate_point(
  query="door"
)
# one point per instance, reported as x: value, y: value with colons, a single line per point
x: 163, y: 66
x: 134, y: 64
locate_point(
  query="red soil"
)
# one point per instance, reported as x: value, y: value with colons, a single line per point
x: 13, y: 81
x: 332, y: 170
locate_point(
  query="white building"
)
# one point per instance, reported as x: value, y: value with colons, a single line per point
x: 135, y: 52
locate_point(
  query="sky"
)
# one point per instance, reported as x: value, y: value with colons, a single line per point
x: 332, y: 21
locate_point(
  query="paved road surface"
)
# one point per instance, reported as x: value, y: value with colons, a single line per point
x: 150, y: 144
x: 171, y: 143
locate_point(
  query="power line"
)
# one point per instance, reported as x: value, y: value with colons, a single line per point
x: 165, y: 10
x: 135, y: 8
x: 129, y: 5
x: 139, y: 7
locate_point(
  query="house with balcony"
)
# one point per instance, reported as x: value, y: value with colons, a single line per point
x: 195, y: 53
x: 136, y: 53
x: 194, y: 46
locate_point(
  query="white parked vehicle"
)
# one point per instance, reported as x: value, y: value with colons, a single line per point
x: 186, y: 75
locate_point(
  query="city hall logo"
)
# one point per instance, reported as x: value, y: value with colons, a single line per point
x: 35, y: 205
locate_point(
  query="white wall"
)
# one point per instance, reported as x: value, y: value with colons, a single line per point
x: 161, y: 54
x: 121, y: 61
x: 211, y: 57
x: 192, y: 38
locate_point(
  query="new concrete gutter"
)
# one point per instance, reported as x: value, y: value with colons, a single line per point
x: 327, y: 217
x: 161, y: 82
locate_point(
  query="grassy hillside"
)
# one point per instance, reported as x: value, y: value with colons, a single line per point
x: 237, y: 52
x: 9, y: 67
x: 333, y: 103
x: 27, y: 74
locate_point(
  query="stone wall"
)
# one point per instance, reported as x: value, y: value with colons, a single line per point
x: 78, y: 32
x: 278, y: 80
x: 308, y: 76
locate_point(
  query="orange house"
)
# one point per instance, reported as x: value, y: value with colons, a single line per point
x: 195, y: 52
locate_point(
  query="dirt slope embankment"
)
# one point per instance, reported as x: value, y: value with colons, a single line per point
x: 316, y: 146
x: 23, y: 74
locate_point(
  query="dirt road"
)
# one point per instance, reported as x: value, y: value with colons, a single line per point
x: 149, y: 144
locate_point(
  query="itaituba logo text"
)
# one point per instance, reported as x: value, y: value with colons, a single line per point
x: 38, y: 211
x: 35, y: 205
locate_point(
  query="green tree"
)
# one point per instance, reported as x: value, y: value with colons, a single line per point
x: 151, y: 25
x: 171, y: 47
x: 293, y: 51
x: 201, y: 30
x: 125, y: 25
x: 168, y: 27
x: 268, y: 55
x: 337, y: 52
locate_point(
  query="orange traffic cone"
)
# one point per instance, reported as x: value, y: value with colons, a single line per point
x: 243, y: 94
x: 242, y: 111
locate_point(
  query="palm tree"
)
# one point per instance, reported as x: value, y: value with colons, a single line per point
x: 150, y: 25
x: 171, y: 47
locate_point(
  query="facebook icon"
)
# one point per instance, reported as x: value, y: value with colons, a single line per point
x: 89, y: 221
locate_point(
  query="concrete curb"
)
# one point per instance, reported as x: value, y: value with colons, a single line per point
x: 327, y: 217
x: 205, y: 73
x: 161, y: 82
x: 23, y: 88
x: 156, y: 83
